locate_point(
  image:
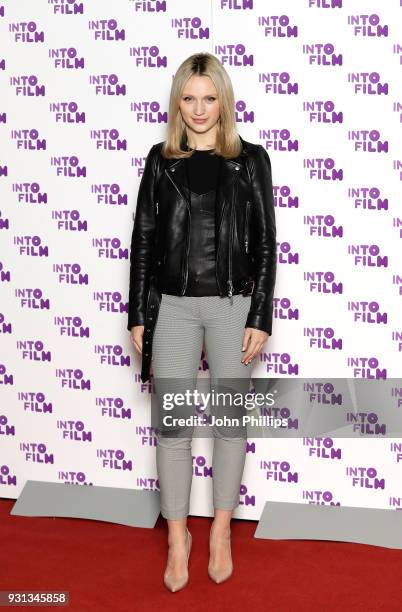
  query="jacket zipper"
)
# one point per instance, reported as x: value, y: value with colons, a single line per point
x: 246, y: 228
x: 230, y: 283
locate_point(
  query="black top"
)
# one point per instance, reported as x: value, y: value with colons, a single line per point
x: 202, y: 171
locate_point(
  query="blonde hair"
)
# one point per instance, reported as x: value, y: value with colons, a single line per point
x: 227, y: 141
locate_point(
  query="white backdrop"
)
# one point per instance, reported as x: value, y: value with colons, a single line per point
x: 84, y: 94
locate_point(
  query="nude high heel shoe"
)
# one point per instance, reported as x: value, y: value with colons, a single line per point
x: 174, y: 584
x: 219, y: 576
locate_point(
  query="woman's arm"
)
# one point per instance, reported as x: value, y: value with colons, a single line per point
x: 142, y: 243
x: 264, y: 239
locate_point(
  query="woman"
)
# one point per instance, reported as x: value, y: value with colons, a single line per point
x: 203, y: 266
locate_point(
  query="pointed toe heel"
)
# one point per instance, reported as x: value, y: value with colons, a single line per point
x: 176, y: 584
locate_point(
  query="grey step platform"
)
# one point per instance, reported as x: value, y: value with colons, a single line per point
x: 288, y: 521
x: 136, y: 508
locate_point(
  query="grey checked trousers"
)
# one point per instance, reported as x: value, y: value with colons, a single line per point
x: 183, y: 323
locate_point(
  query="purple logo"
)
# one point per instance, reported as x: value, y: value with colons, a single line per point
x: 114, y: 459
x: 365, y: 478
x: 74, y: 430
x: 33, y: 350
x: 29, y: 193
x: 279, y: 471
x: 283, y: 197
x: 367, y: 368
x: 73, y: 7
x: 278, y: 140
x: 322, y: 338
x: 367, y: 198
x: 6, y: 478
x: 28, y: 139
x: 36, y: 452
x: 113, y: 407
x: 323, y: 226
x: 320, y: 498
x: 322, y: 448
x: 367, y: 83
x: 109, y: 194
x: 189, y: 28
x: 106, y: 30
x: 234, y: 55
x: 69, y: 220
x: 367, y: 255
x: 367, y: 312
x: 322, y: 54
x: 5, y: 276
x: 109, y: 248
x: 200, y: 467
x: 245, y: 498
x: 148, y: 57
x: 67, y: 113
x: 285, y: 255
x: 108, y: 140
x: 26, y: 32
x: 322, y: 282
x: 66, y: 58
x: 150, y: 6
x: 277, y: 26
x: 111, y: 301
x: 107, y: 85
x: 74, y: 478
x: 148, y: 112
x: 35, y: 402
x: 73, y: 379
x: 31, y: 246
x: 70, y: 274
x: 5, y: 379
x: 5, y: 328
x: 67, y: 166
x: 32, y: 298
x: 278, y: 83
x: 72, y: 327
x: 6, y: 429
x: 367, y: 423
x: 27, y: 85
x: 323, y: 169
x: 279, y: 363
x: 367, y: 26
x: 242, y: 114
x: 322, y: 111
x: 283, y: 310
x: 110, y: 354
x: 368, y: 141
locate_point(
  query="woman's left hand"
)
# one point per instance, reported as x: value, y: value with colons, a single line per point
x: 255, y: 339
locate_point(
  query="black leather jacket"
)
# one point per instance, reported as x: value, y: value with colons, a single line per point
x: 245, y: 238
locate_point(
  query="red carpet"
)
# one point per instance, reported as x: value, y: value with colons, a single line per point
x: 111, y: 567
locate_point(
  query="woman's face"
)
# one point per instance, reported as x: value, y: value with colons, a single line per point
x: 199, y: 104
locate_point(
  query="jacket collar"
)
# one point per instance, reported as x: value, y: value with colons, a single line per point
x: 231, y: 163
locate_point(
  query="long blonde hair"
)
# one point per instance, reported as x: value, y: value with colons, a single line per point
x: 227, y: 141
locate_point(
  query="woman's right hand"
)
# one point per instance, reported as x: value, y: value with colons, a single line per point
x: 136, y: 334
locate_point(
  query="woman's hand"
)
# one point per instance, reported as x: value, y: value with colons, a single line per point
x: 136, y: 335
x: 255, y: 339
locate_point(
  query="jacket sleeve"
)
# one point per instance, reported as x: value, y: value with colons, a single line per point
x: 142, y: 244
x: 264, y: 239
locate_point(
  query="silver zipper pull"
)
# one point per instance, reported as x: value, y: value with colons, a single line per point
x: 157, y: 207
x: 246, y: 243
x: 230, y: 291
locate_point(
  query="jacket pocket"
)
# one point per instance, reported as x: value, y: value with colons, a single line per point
x: 246, y: 226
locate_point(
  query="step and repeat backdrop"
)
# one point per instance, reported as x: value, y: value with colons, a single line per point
x: 84, y: 94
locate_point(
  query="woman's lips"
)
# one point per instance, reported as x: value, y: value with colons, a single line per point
x: 199, y: 120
